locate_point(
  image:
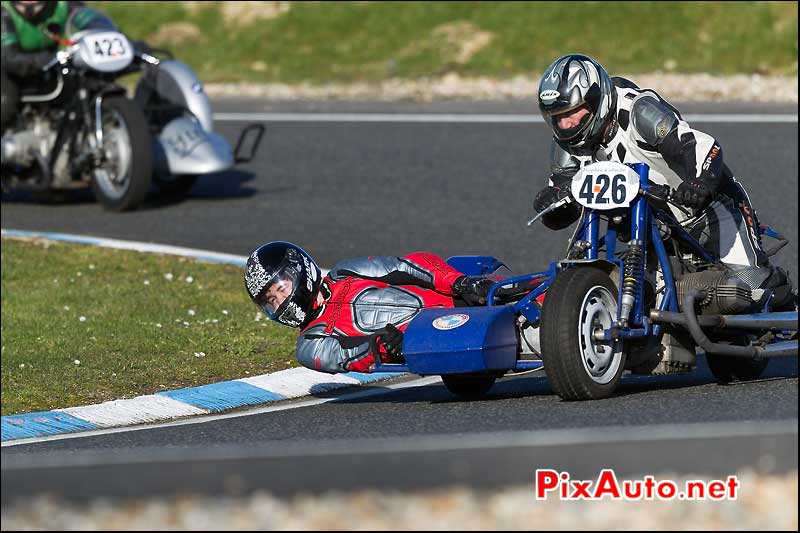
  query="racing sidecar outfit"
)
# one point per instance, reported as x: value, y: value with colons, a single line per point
x: 648, y: 129
x: 361, y: 297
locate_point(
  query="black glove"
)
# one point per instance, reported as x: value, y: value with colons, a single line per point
x: 391, y: 339
x: 548, y: 196
x: 692, y: 194
x: 472, y: 290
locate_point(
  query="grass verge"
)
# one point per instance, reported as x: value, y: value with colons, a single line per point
x: 344, y: 42
x: 83, y: 324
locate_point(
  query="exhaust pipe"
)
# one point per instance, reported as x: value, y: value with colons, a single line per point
x: 750, y: 352
x: 783, y: 320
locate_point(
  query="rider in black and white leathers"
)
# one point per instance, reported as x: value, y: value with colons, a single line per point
x: 626, y: 124
x: 647, y: 129
x: 593, y: 118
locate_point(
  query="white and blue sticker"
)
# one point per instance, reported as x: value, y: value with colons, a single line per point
x: 444, y: 323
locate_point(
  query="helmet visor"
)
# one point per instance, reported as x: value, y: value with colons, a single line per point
x: 571, y: 123
x: 279, y: 291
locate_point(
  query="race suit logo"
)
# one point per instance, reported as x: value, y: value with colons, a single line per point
x: 444, y: 323
x: 711, y: 155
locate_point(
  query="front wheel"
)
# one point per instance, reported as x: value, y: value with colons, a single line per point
x: 122, y: 180
x: 581, y: 302
x: 468, y: 386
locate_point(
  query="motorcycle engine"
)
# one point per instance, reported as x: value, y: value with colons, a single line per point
x: 18, y: 147
x: 37, y: 136
x: 726, y: 294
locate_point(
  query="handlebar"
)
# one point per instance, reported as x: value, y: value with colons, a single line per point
x: 555, y: 205
x: 61, y: 57
x: 660, y: 193
x: 654, y: 192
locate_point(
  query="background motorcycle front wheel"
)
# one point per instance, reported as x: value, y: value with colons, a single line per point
x: 121, y: 182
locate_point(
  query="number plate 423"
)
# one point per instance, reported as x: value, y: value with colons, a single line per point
x: 605, y: 185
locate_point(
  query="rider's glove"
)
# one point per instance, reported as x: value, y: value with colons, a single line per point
x: 548, y: 196
x: 391, y: 339
x: 473, y: 290
x: 692, y: 194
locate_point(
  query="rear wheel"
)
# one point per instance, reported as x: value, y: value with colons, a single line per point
x: 727, y: 369
x: 122, y: 180
x: 581, y: 302
x: 468, y: 386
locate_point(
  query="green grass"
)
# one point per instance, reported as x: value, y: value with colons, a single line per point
x: 123, y: 352
x: 370, y: 41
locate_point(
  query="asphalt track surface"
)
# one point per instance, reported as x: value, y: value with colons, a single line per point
x: 349, y: 189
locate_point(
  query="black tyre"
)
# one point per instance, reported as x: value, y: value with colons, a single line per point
x: 468, y: 386
x: 121, y: 182
x: 580, y: 302
x: 727, y: 369
x: 176, y: 186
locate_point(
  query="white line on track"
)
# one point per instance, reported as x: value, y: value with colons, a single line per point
x: 374, y: 390
x: 468, y: 118
x: 430, y: 443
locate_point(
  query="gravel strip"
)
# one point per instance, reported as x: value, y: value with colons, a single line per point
x: 765, y: 503
x: 752, y: 88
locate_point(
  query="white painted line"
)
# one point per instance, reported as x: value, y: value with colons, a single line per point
x: 137, y: 246
x: 368, y: 391
x: 426, y: 443
x: 297, y: 382
x: 742, y: 118
x: 139, y: 410
x: 470, y: 118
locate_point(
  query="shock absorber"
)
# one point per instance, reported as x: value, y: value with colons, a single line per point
x: 632, y: 276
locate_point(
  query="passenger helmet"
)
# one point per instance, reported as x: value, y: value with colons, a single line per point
x: 283, y: 280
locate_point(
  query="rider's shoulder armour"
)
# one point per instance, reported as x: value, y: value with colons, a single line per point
x: 652, y: 119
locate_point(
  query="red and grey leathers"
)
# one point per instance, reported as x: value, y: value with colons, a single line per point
x: 361, y: 297
x: 646, y: 128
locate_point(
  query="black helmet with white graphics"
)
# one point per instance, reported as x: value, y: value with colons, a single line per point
x: 577, y: 99
x: 283, y: 280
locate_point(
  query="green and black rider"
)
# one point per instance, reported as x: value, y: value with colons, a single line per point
x: 30, y: 39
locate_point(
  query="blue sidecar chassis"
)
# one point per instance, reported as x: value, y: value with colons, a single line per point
x: 471, y: 340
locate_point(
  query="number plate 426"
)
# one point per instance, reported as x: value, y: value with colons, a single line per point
x: 605, y: 185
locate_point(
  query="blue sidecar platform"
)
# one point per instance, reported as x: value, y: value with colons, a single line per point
x: 461, y: 339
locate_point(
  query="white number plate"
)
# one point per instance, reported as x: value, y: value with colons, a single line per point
x: 605, y: 185
x: 106, y: 51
